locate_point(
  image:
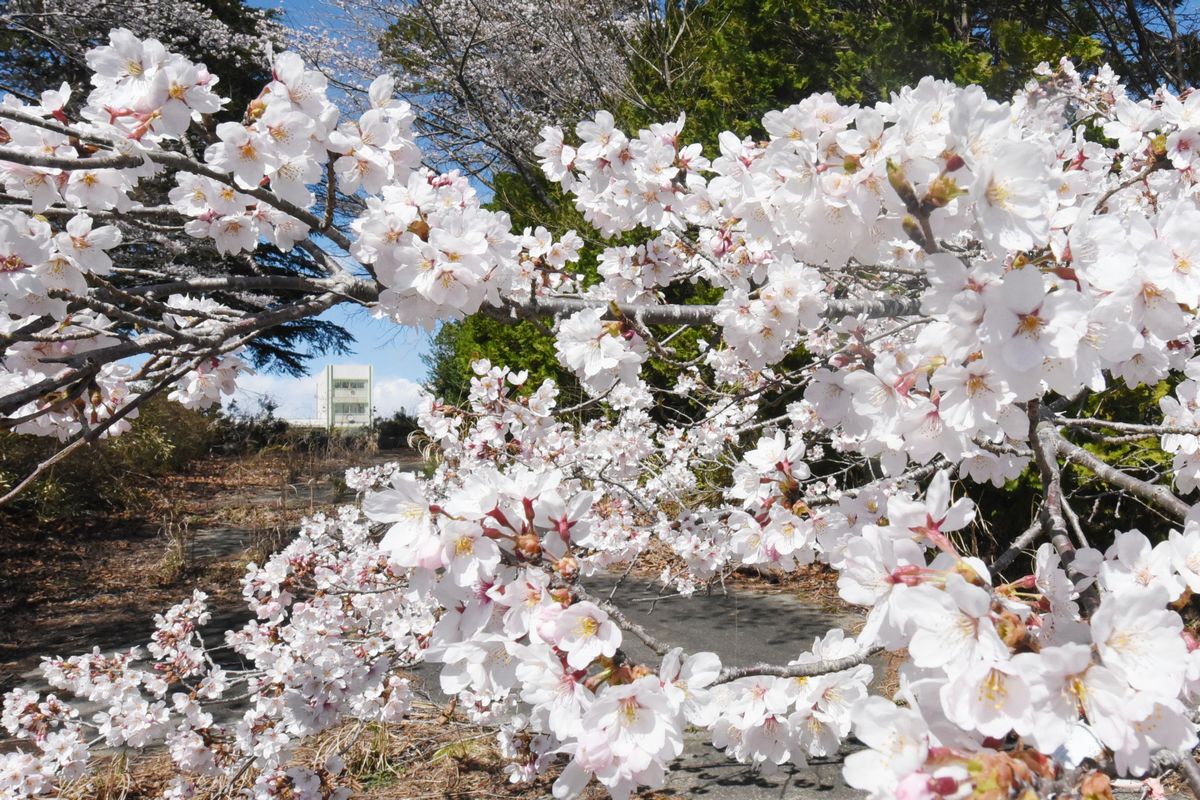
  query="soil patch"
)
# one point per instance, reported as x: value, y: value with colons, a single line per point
x: 100, y: 579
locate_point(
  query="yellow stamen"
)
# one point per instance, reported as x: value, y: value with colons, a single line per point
x: 1030, y: 325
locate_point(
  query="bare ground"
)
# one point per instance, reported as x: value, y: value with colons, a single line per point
x: 99, y: 581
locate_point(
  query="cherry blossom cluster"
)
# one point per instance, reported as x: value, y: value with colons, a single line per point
x: 604, y: 354
x: 908, y: 295
x: 835, y: 187
x: 40, y: 266
x: 306, y: 675
x: 991, y: 660
x: 292, y: 135
x: 106, y: 392
x: 204, y: 386
x: 771, y: 720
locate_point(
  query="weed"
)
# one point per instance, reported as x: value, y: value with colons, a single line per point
x: 179, y: 556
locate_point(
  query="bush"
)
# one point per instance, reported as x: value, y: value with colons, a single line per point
x: 394, y: 431
x: 109, y: 475
x: 241, y: 431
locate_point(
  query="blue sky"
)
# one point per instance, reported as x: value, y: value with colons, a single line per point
x: 395, y: 353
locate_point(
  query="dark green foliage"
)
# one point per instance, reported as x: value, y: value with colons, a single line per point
x: 520, y: 345
x: 737, y: 59
x: 241, y: 431
x: 393, y: 432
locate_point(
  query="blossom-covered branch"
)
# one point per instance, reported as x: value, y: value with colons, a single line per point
x: 902, y: 301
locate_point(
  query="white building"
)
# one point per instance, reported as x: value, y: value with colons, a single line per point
x: 344, y: 397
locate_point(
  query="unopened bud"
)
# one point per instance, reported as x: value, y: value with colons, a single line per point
x: 1025, y: 582
x: 419, y: 228
x: 900, y: 183
x: 913, y: 229
x: 567, y: 567
x: 529, y: 545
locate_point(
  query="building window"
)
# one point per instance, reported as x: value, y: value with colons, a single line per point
x: 349, y: 408
x: 343, y: 384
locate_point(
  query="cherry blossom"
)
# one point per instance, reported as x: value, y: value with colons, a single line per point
x: 902, y: 301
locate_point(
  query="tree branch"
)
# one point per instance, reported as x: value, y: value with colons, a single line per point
x: 1030, y: 535
x: 1043, y: 438
x: 1158, y: 496
x: 675, y: 314
x: 808, y: 670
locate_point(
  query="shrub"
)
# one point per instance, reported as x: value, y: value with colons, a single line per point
x: 395, y: 430
x: 242, y: 431
x: 166, y: 439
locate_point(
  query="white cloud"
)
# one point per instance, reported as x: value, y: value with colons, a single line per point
x: 396, y: 394
x: 296, y: 398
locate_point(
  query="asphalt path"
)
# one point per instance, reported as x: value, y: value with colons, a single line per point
x: 743, y: 627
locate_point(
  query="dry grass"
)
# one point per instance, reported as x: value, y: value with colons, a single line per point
x: 815, y: 584
x: 430, y: 755
x: 100, y: 579
x: 179, y: 554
